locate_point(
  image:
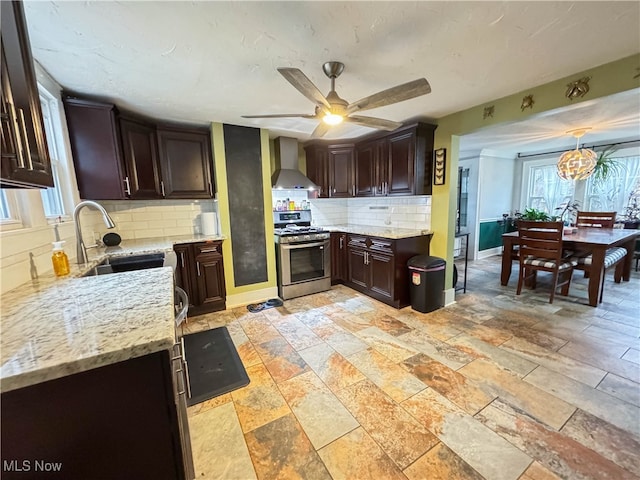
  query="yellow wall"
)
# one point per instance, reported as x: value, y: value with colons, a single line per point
x: 608, y: 79
x: 217, y: 135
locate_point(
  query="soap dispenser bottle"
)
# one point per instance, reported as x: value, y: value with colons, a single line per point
x: 60, y: 260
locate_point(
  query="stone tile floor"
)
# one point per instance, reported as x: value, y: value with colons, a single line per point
x: 496, y: 386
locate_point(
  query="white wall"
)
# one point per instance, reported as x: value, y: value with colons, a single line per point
x: 496, y: 183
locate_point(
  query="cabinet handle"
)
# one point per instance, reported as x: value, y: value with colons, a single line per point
x: 186, y: 377
x: 210, y: 189
x: 185, y: 365
x: 182, y: 259
x: 162, y: 187
x: 127, y: 186
x: 181, y: 388
x: 386, y: 188
x: 329, y: 192
x: 25, y: 139
x: 16, y: 134
x: 198, y: 267
x: 353, y: 190
x: 341, y: 242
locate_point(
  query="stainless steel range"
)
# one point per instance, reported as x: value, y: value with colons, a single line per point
x: 303, y: 255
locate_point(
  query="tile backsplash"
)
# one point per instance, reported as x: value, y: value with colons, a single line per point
x: 145, y: 219
x: 398, y: 212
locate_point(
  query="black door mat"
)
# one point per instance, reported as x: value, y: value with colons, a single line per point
x: 214, y: 364
x: 258, y: 307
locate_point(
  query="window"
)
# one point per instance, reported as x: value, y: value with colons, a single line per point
x: 613, y: 194
x: 5, y: 213
x: 546, y: 190
x: 52, y: 198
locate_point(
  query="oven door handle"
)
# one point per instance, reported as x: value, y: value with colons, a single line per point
x: 294, y: 246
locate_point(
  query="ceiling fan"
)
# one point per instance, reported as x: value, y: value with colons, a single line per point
x: 332, y: 110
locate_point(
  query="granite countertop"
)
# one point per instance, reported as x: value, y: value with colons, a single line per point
x: 375, y: 231
x: 52, y: 327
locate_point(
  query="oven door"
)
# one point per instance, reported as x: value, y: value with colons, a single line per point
x: 304, y: 261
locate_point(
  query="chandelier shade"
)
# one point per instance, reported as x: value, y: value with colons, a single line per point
x: 577, y: 164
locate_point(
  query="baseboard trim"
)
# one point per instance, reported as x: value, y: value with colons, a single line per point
x: 254, y: 296
x: 489, y: 252
x: 449, y: 296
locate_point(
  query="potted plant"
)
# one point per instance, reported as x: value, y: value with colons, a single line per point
x: 606, y: 165
x: 533, y: 214
x: 570, y: 210
x: 632, y: 211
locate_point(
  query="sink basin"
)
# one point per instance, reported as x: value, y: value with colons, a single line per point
x: 127, y: 264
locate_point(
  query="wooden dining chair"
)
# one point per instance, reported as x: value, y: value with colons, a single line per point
x: 613, y: 257
x: 596, y: 219
x: 541, y: 249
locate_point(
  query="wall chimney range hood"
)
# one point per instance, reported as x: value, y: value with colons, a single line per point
x: 288, y: 176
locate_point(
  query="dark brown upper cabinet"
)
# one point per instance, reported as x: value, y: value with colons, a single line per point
x: 123, y: 156
x: 96, y: 150
x: 24, y: 154
x: 387, y: 164
x: 140, y: 153
x: 186, y: 164
x: 318, y: 167
x: 331, y: 168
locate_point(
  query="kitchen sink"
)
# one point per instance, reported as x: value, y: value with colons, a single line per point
x: 127, y: 264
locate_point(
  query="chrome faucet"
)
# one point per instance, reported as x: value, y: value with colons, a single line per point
x: 81, y: 248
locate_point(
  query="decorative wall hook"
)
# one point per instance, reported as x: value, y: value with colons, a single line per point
x: 488, y: 112
x: 527, y: 102
x: 577, y: 89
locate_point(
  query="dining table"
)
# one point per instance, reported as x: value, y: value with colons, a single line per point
x: 595, y: 241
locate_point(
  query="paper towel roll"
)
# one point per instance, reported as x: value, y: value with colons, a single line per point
x: 209, y: 223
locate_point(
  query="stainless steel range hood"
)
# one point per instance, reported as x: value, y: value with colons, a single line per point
x: 288, y: 176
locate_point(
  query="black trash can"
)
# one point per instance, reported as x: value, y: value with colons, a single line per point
x: 426, y: 277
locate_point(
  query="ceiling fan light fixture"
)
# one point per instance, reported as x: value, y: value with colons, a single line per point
x: 577, y: 164
x: 332, y: 119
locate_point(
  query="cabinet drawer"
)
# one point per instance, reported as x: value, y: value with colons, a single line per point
x: 357, y: 241
x: 382, y: 245
x: 208, y: 248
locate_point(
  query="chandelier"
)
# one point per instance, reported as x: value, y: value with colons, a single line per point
x: 577, y: 164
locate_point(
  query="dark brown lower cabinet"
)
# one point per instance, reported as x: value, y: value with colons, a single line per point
x: 378, y: 266
x: 124, y: 420
x: 200, y: 273
x: 339, y: 259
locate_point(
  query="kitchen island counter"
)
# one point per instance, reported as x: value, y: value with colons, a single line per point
x: 53, y: 327
x: 377, y: 231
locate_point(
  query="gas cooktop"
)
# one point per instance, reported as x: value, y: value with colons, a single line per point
x: 297, y: 230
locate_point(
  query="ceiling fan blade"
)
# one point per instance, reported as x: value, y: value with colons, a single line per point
x: 305, y: 86
x: 372, y: 122
x: 320, y: 130
x: 395, y: 94
x: 281, y: 115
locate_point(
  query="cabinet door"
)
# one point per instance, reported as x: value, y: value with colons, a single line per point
x: 210, y: 275
x: 96, y: 150
x: 338, y: 257
x: 185, y: 272
x: 25, y: 159
x: 358, y: 269
x: 317, y: 168
x: 185, y: 162
x: 381, y: 274
x: 402, y: 159
x: 340, y: 162
x: 140, y: 152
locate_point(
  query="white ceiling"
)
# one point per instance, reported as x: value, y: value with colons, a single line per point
x: 199, y: 62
